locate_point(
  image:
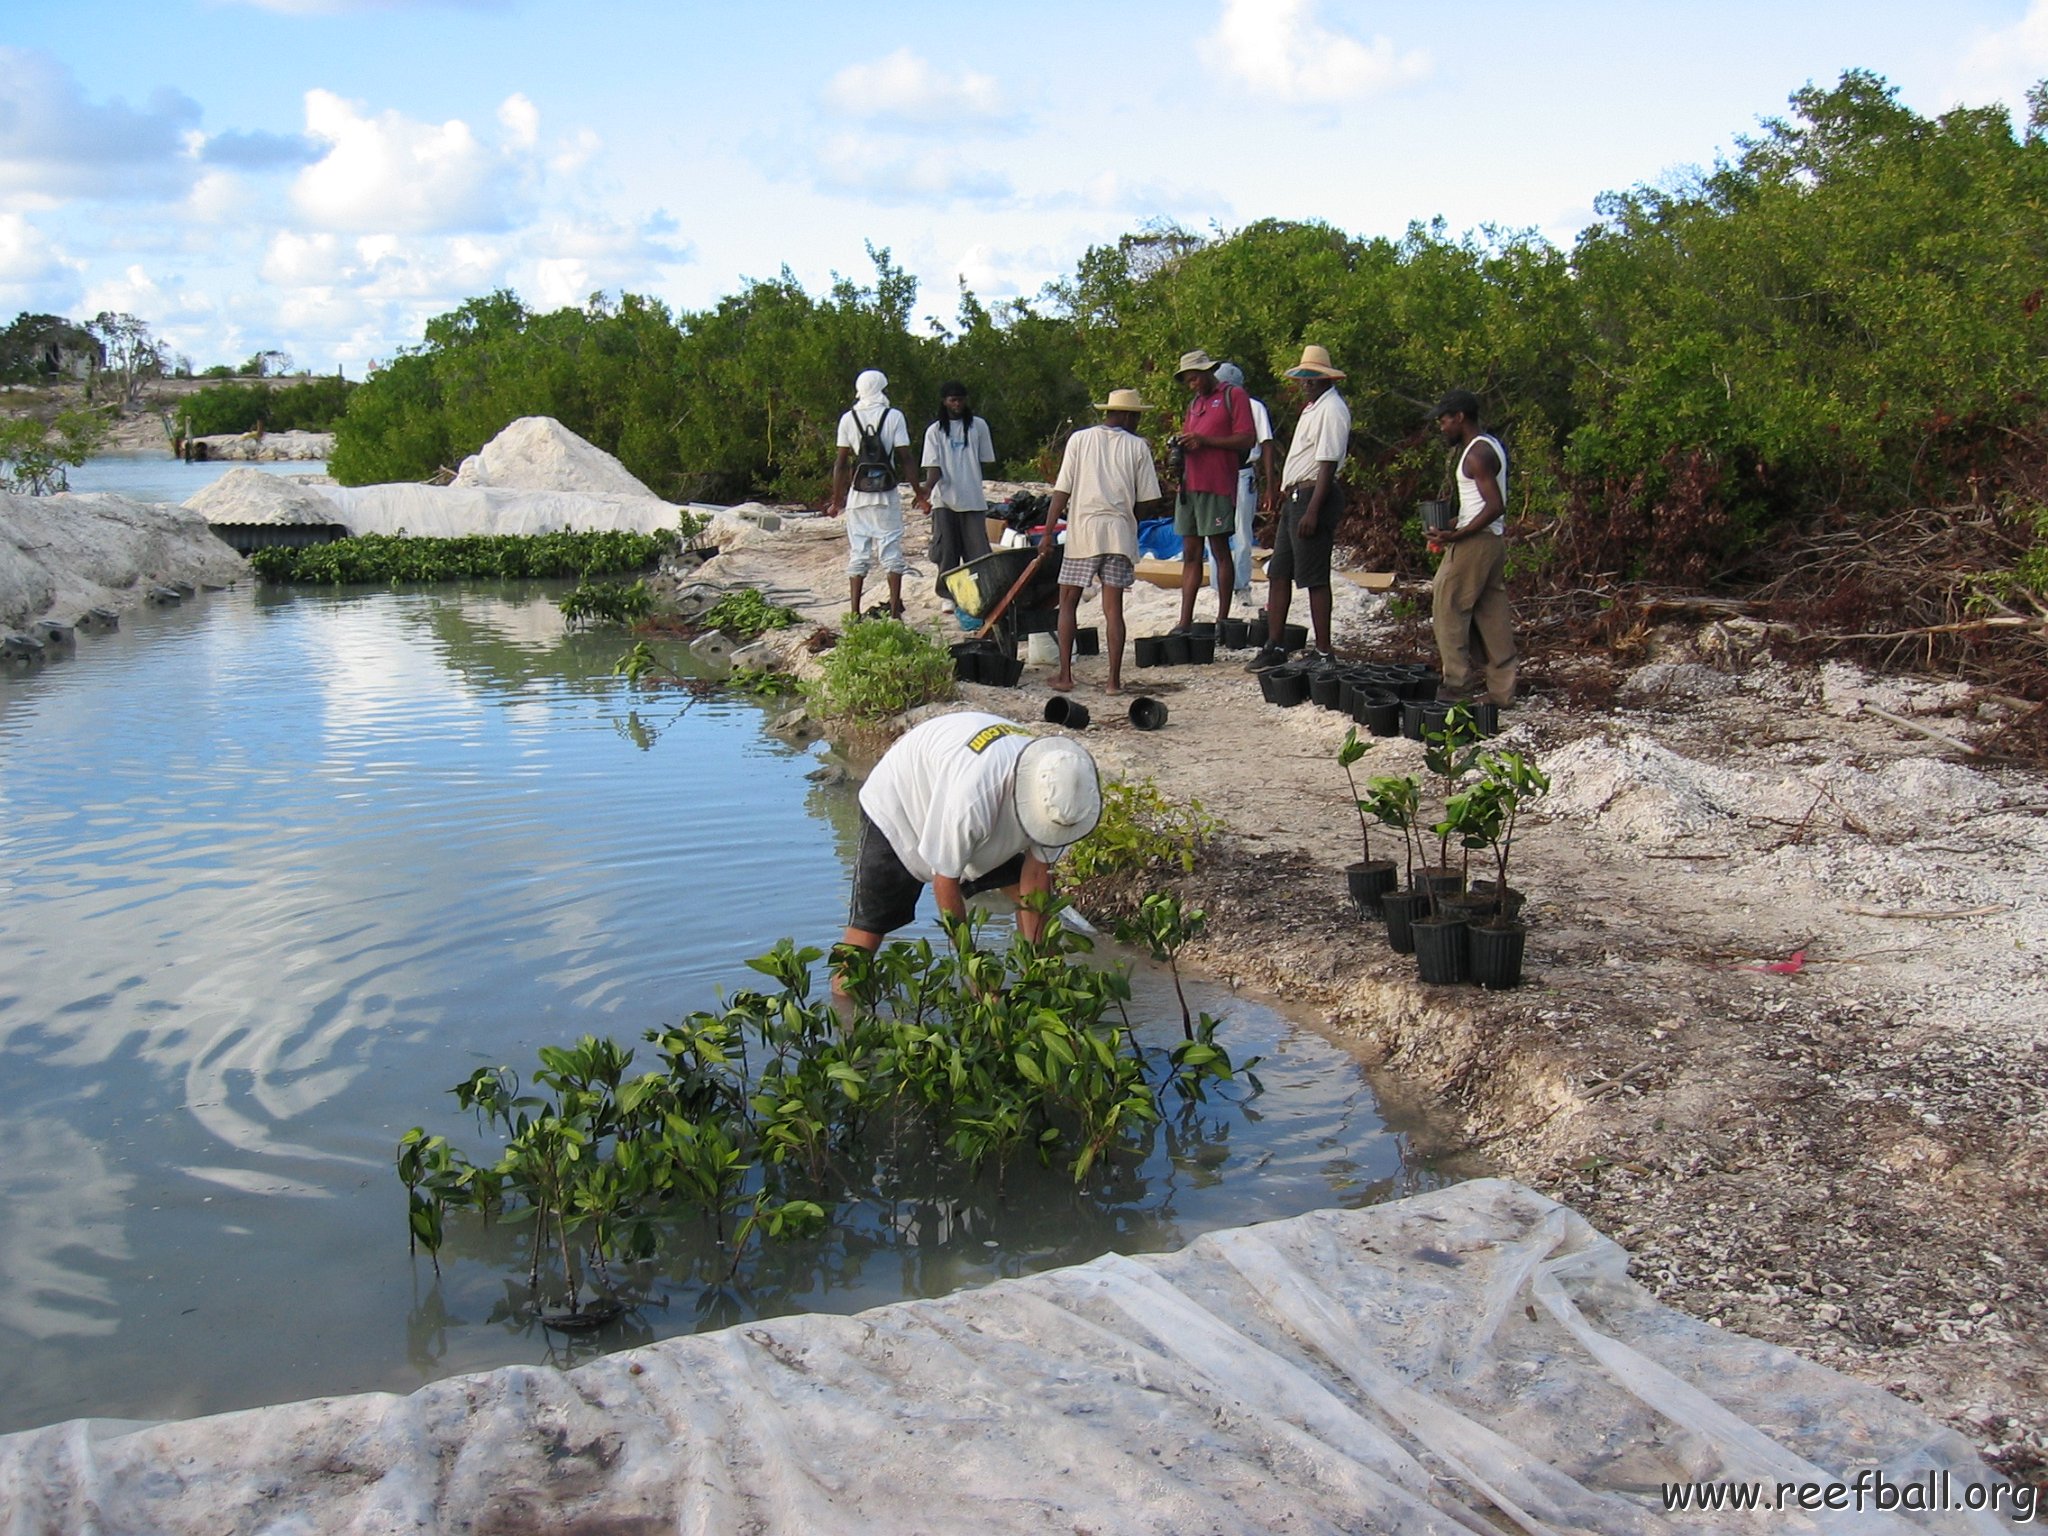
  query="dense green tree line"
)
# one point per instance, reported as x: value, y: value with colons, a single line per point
x: 1846, y: 314
x: 310, y: 405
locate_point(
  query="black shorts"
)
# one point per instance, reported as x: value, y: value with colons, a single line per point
x: 1299, y: 561
x: 885, y: 893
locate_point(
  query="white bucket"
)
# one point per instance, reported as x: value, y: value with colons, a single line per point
x: 1043, y: 650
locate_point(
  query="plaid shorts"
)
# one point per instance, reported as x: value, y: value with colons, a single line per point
x: 1110, y: 570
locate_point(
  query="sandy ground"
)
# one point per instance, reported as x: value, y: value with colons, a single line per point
x: 1846, y: 1153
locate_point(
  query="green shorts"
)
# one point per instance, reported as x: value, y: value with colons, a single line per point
x: 1202, y: 514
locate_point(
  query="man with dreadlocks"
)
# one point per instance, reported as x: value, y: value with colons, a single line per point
x: 956, y: 450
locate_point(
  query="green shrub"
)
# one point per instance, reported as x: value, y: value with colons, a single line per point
x: 746, y: 613
x: 313, y: 405
x: 1141, y: 831
x: 780, y: 1112
x: 881, y: 668
x: 606, y: 602
x: 381, y: 557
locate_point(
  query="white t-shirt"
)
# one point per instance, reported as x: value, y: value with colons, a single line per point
x: 943, y: 796
x: 1322, y: 436
x: 894, y: 435
x: 1262, y: 432
x: 958, y: 457
x: 1105, y: 472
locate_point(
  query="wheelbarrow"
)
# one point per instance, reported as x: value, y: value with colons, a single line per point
x: 1009, y: 593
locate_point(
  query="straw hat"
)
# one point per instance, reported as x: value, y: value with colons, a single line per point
x: 1196, y: 361
x: 1122, y: 400
x: 1314, y: 364
x: 1058, y: 792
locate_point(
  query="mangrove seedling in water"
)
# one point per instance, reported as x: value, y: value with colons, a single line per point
x: 770, y: 1113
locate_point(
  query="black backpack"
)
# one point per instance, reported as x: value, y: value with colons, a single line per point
x: 874, y: 467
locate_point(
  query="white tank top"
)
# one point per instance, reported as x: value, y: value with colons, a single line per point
x: 1471, y: 505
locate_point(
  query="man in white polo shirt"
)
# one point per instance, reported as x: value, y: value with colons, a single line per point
x: 965, y: 803
x: 1311, y: 502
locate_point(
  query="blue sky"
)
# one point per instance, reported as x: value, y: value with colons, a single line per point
x: 322, y: 176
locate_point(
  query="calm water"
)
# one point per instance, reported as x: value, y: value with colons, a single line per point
x: 274, y: 872
x: 159, y: 477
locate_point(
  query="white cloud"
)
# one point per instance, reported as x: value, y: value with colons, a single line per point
x: 391, y: 172
x: 520, y: 119
x: 2002, y: 64
x: 33, y: 270
x: 1280, y: 48
x: 905, y: 87
x: 53, y: 140
x: 865, y: 167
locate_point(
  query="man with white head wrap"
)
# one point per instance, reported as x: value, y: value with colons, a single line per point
x: 1254, y: 483
x: 873, y: 459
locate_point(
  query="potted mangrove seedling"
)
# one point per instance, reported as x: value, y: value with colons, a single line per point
x: 1395, y: 800
x: 1449, y: 754
x: 1369, y: 878
x: 1487, y: 816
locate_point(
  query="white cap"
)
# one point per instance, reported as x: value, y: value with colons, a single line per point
x: 1058, y: 792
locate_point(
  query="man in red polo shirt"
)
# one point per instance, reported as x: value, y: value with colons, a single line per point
x: 1214, y: 439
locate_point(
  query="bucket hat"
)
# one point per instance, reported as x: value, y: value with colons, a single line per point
x: 1314, y: 364
x: 1058, y: 791
x: 1122, y: 400
x: 1196, y: 361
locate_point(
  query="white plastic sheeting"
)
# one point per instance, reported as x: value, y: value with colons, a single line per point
x: 1473, y: 1360
x: 452, y: 511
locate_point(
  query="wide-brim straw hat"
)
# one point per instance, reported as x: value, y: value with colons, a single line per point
x: 1315, y: 364
x: 1122, y: 400
x: 1196, y: 361
x: 1058, y: 791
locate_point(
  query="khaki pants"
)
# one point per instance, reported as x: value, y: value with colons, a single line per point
x: 1474, y: 624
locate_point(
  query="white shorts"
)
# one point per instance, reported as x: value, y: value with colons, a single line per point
x: 874, y: 534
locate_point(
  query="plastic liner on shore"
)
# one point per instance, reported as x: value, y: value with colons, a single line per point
x: 452, y: 511
x: 1472, y: 1360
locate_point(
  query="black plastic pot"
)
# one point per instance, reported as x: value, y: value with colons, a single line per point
x: 1294, y: 636
x: 1061, y: 710
x: 1442, y: 950
x: 1420, y: 686
x: 1411, y: 719
x: 1487, y: 713
x: 1151, y: 650
x: 1201, y: 649
x: 968, y: 656
x: 1434, y: 714
x: 1088, y: 642
x: 1440, y: 882
x: 1203, y: 627
x: 1379, y: 713
x: 1437, y: 516
x: 1000, y: 671
x: 1233, y: 634
x: 1496, y: 954
x: 1369, y: 882
x: 1482, y: 890
x: 1400, y: 909
x: 1284, y: 685
x: 1326, y: 688
x: 1147, y: 714
x: 1174, y: 649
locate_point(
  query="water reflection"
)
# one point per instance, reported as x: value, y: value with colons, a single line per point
x: 277, y: 870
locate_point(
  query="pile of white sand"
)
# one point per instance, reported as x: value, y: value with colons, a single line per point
x: 246, y: 497
x: 538, y: 453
